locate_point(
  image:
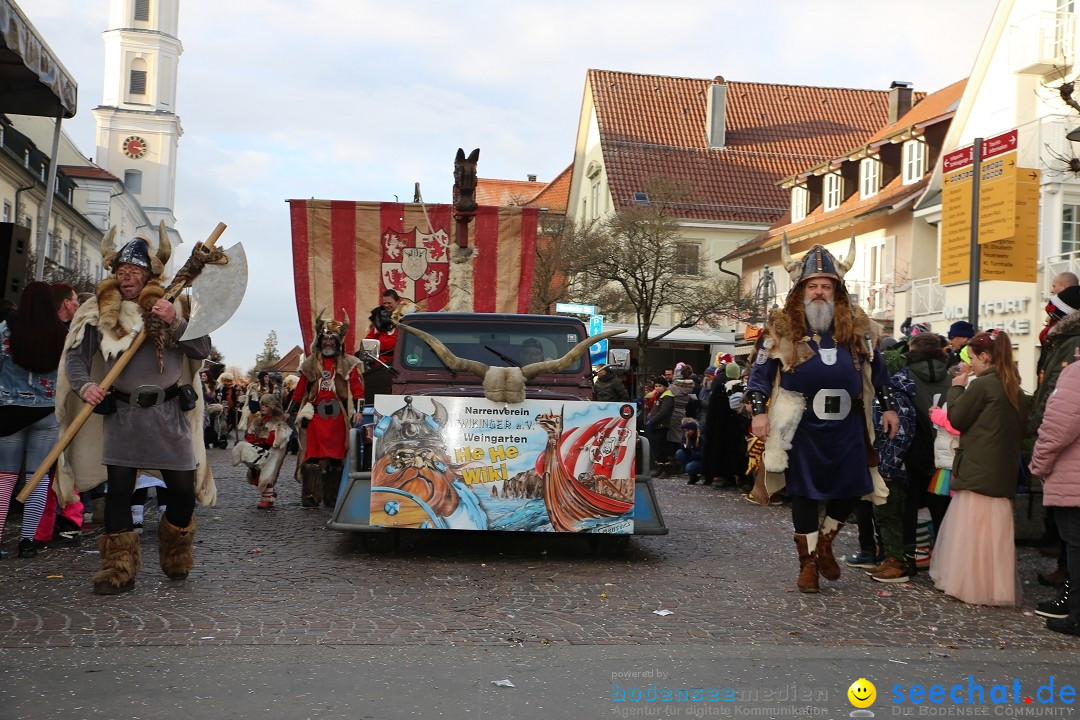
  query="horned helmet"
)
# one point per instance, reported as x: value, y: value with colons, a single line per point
x: 408, y: 427
x: 137, y: 252
x: 330, y: 335
x: 818, y: 262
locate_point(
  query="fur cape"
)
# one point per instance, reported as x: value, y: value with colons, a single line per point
x: 117, y: 321
x: 786, y: 408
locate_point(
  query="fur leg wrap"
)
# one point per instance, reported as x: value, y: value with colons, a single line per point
x: 121, y: 560
x: 310, y: 485
x: 826, y: 562
x: 175, y: 548
x: 808, y: 569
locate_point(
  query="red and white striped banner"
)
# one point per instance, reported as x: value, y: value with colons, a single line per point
x: 345, y: 254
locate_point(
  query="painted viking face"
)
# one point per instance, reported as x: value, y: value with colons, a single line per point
x: 329, y: 345
x: 132, y: 280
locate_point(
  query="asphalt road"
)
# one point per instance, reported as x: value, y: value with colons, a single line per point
x: 284, y: 619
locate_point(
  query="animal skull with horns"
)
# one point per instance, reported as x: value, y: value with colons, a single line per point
x: 818, y: 262
x: 506, y: 384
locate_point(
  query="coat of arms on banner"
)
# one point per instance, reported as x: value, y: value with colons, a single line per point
x: 415, y: 264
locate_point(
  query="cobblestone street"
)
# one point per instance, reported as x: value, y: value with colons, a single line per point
x: 726, y: 572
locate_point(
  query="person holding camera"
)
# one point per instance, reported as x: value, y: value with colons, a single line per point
x: 152, y: 417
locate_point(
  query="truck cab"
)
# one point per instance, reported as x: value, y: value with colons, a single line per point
x: 496, y: 340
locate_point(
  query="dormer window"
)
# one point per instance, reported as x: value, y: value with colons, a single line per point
x: 834, y: 191
x: 869, y: 177
x: 914, y: 160
x: 800, y: 203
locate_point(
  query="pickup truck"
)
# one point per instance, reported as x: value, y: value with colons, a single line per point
x: 446, y: 457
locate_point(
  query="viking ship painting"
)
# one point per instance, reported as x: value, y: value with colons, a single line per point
x: 568, y: 501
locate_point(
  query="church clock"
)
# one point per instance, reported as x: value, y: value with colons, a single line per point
x: 134, y: 147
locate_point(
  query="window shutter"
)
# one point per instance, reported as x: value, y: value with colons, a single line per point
x: 138, y: 82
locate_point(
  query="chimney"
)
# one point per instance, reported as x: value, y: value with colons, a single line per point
x: 899, y: 99
x: 715, y: 105
x: 532, y: 178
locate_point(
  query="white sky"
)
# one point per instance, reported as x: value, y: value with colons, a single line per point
x: 358, y: 100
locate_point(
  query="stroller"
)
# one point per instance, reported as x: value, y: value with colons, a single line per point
x: 215, y: 429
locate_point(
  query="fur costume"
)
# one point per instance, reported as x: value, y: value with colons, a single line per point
x: 118, y: 321
x: 266, y: 462
x: 785, y: 412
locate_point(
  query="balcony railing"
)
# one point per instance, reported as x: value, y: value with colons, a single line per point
x: 1042, y: 42
x: 1057, y: 264
x: 927, y: 297
x: 876, y: 298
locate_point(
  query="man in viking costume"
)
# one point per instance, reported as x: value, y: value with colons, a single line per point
x: 811, y: 389
x: 330, y: 394
x: 263, y: 448
x: 151, y: 418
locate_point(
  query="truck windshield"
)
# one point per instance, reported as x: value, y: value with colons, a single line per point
x: 490, y: 343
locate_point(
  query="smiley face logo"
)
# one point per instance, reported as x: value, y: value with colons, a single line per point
x: 862, y: 693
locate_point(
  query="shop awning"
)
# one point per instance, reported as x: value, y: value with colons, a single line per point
x: 32, y: 80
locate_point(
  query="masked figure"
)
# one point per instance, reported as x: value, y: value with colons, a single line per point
x: 263, y: 448
x: 328, y: 396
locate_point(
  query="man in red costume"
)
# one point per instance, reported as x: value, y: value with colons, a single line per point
x: 330, y: 395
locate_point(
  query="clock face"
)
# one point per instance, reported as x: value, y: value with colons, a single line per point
x: 134, y: 147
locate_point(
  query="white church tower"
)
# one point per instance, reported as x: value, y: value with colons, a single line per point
x: 137, y: 126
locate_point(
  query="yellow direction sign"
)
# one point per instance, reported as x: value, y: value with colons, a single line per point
x: 1016, y: 258
x: 956, y: 226
x: 997, y: 198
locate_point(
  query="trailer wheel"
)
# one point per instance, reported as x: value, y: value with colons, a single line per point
x: 378, y: 543
x: 609, y: 545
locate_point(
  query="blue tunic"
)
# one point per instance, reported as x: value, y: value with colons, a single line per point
x: 828, y: 458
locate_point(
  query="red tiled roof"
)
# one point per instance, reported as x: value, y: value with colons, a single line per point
x: 654, y: 126
x: 289, y: 363
x: 555, y: 197
x: 506, y: 193
x: 936, y: 107
x: 90, y: 172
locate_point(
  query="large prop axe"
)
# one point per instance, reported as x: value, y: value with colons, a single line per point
x: 206, y: 260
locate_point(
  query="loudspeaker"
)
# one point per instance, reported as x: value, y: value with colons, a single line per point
x: 14, y: 246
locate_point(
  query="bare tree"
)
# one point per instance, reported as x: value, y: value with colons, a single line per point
x: 632, y: 265
x: 555, y: 242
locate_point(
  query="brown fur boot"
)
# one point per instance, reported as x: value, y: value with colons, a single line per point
x: 175, y: 548
x: 826, y: 562
x: 310, y: 485
x: 808, y: 569
x: 120, y: 561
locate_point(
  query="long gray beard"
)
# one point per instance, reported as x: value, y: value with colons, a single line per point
x: 819, y: 317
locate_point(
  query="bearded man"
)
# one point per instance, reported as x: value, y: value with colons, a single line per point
x: 329, y: 394
x: 810, y: 390
x: 149, y: 414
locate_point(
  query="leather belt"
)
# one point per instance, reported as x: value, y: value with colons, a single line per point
x: 328, y: 408
x: 831, y: 404
x: 147, y: 396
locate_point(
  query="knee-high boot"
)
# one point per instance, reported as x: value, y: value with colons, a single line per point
x: 175, y: 548
x: 808, y: 569
x: 121, y: 559
x: 310, y: 485
x: 331, y: 480
x: 826, y: 562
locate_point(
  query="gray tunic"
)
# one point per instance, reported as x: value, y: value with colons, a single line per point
x: 157, y: 438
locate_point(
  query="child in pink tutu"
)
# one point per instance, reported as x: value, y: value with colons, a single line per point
x: 974, y: 558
